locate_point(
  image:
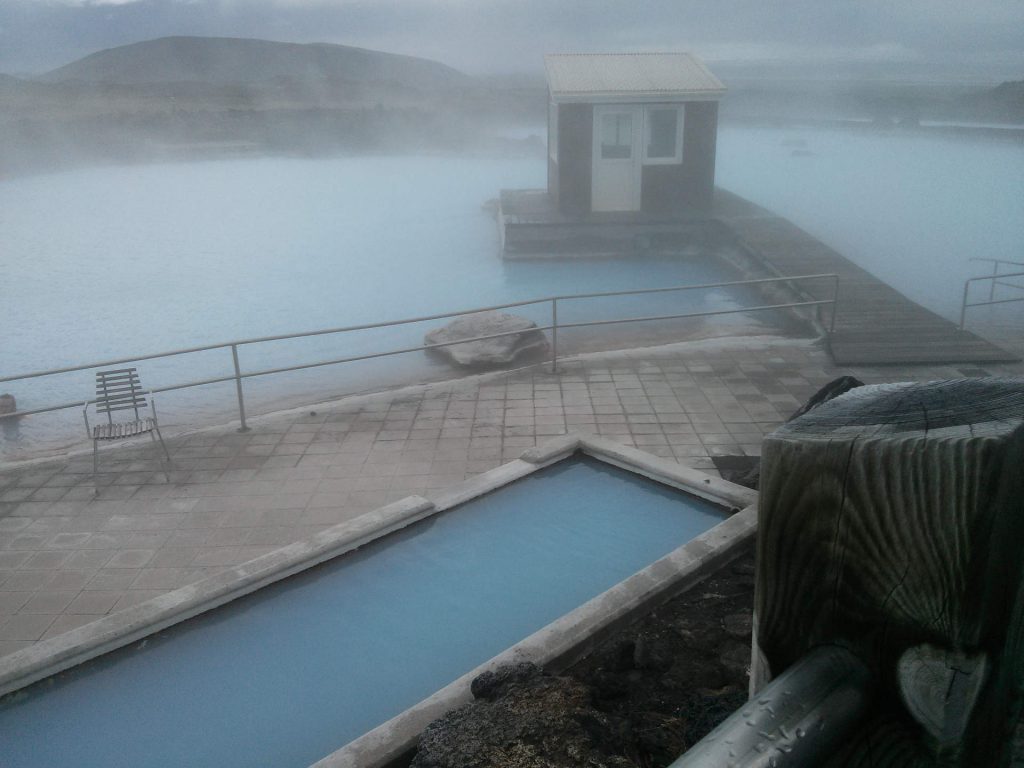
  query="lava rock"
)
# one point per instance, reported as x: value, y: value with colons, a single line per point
x: 744, y: 568
x: 538, y: 722
x: 651, y: 655
x: 738, y: 625
x: 523, y: 339
x: 489, y: 685
x: 735, y: 659
x: 695, y: 672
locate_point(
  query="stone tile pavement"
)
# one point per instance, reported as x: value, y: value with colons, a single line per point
x: 69, y: 555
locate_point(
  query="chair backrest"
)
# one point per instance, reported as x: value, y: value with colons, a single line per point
x: 119, y: 390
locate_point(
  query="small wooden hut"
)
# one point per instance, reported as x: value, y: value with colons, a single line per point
x: 631, y: 132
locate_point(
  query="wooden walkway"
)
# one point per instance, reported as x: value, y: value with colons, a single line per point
x: 875, y: 324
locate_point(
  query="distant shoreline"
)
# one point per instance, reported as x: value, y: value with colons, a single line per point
x: 1013, y: 132
x: 242, y: 149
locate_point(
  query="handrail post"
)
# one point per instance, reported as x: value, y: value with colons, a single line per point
x: 835, y: 304
x: 554, y: 335
x: 963, y: 304
x: 238, y: 388
x: 992, y: 282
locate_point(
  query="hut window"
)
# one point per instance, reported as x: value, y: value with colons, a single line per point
x: 663, y: 135
x: 616, y: 136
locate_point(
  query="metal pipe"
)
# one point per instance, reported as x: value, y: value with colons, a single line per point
x: 998, y: 261
x: 697, y: 287
x: 993, y: 278
x: 990, y: 277
x: 238, y: 388
x: 373, y: 355
x: 105, y: 363
x: 388, y: 323
x: 554, y: 335
x: 709, y: 312
x: 238, y: 375
x: 795, y: 721
x: 963, y: 303
x: 835, y: 304
x: 997, y: 301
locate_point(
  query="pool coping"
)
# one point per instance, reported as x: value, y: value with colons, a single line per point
x: 562, y: 641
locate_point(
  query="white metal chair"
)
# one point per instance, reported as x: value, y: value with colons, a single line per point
x: 120, y: 390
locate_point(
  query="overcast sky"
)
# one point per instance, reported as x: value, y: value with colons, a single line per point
x: 973, y: 37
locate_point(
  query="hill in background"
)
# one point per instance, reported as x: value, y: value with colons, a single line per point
x: 185, y: 97
x: 180, y: 97
x: 225, y: 61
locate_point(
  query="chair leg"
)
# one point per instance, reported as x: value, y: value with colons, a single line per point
x: 167, y: 469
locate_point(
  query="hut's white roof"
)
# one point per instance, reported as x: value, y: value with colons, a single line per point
x: 630, y: 77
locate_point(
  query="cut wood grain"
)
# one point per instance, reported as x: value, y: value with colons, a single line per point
x: 891, y: 521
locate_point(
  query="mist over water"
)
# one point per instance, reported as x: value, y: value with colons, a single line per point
x: 912, y: 210
x: 117, y: 261
x: 120, y: 261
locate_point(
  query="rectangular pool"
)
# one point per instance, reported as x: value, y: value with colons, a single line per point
x: 292, y: 672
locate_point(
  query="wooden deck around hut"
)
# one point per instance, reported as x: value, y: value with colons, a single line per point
x: 531, y: 227
x: 875, y: 323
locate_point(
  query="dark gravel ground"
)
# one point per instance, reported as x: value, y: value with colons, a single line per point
x: 639, y: 700
x: 681, y: 670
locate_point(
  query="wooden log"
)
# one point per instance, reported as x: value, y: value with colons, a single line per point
x: 891, y: 521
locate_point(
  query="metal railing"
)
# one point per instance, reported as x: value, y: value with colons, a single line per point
x: 796, y: 721
x: 239, y: 375
x: 995, y: 280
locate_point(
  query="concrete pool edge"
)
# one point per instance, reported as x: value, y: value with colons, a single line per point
x: 456, y: 381
x: 117, y: 630
x: 562, y: 642
x: 573, y: 635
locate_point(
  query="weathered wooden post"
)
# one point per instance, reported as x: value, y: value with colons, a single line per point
x: 891, y: 523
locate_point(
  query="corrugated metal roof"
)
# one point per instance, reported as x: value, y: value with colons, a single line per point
x: 661, y: 75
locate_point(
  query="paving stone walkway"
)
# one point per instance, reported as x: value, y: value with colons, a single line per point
x: 68, y: 557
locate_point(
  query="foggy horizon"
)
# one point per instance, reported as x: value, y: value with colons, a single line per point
x: 927, y: 41
x: 730, y: 295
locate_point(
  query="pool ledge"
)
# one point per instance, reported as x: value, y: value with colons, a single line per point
x: 553, y: 647
x: 562, y: 642
x: 116, y: 630
x: 571, y: 637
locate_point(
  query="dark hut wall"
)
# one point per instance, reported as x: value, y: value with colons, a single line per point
x: 572, y: 172
x: 665, y: 189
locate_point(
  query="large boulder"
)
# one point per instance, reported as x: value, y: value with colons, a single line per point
x: 523, y: 339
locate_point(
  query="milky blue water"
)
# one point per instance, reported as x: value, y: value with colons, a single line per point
x: 109, y: 262
x: 287, y: 675
x: 911, y: 209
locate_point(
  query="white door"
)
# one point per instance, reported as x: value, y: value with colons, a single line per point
x: 615, y: 182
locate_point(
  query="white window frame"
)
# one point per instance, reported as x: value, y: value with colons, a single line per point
x: 677, y: 158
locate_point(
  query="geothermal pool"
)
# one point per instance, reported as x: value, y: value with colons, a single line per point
x: 909, y: 208
x: 109, y: 262
x: 294, y: 671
